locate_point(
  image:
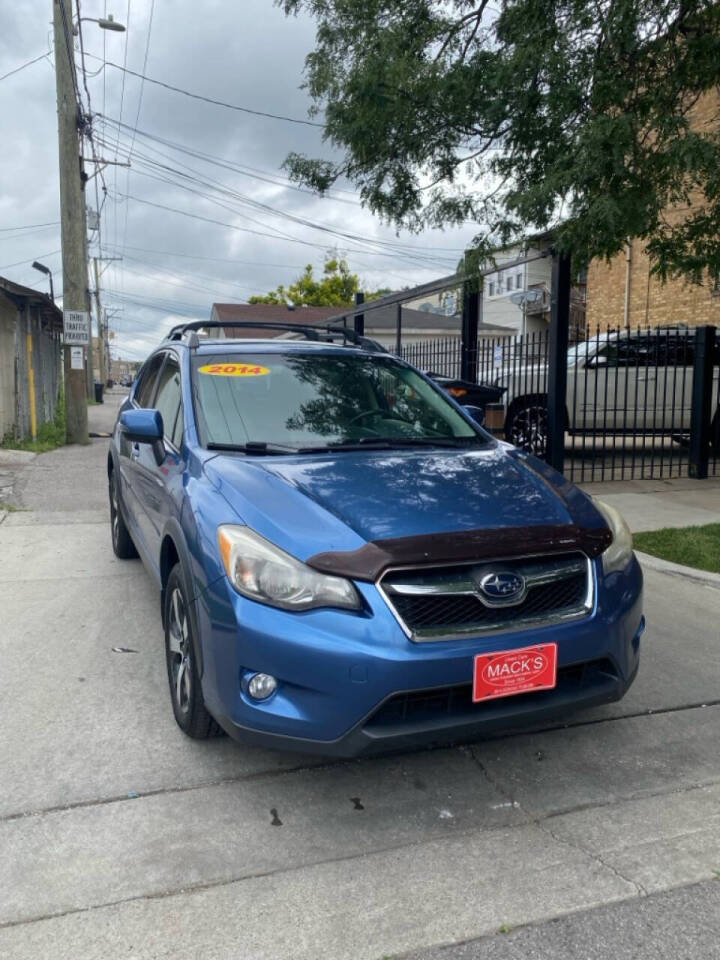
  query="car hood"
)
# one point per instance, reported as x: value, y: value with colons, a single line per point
x: 341, y: 501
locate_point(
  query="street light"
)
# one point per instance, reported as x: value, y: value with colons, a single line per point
x: 46, y: 270
x: 105, y: 24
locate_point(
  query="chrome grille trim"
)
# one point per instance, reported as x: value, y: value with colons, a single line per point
x: 537, y: 571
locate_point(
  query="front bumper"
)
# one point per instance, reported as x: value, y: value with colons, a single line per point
x: 353, y: 683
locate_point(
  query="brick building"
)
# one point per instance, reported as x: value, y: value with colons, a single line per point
x: 623, y: 291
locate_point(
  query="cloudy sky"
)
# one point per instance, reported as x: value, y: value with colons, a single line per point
x: 207, y: 161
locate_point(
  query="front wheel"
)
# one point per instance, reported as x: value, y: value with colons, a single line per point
x: 185, y: 692
x: 526, y: 425
x: 123, y: 545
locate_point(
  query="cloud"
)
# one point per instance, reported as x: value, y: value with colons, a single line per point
x: 247, y: 53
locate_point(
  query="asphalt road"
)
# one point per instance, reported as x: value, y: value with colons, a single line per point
x: 121, y: 838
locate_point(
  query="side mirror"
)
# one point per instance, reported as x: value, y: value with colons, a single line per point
x: 144, y: 426
x: 477, y: 413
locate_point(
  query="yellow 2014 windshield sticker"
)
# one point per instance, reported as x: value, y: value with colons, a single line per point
x: 234, y: 370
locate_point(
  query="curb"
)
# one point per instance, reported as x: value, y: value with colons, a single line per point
x: 10, y: 457
x: 678, y: 569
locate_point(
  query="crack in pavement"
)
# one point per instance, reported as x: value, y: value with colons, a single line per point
x: 542, y: 824
x: 531, y: 820
x: 300, y: 768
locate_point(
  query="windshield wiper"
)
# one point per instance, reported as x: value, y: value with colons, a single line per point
x: 253, y: 447
x: 386, y: 443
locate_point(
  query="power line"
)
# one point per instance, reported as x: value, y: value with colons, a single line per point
x: 266, y: 176
x: 137, y: 119
x: 194, y: 256
x: 142, y: 82
x: 233, y: 226
x: 408, y: 250
x: 31, y: 226
x: 217, y: 103
x: 400, y: 251
x: 19, y: 263
x: 28, y: 63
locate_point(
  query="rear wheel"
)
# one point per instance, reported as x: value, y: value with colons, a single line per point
x: 526, y: 425
x: 185, y: 692
x: 121, y: 540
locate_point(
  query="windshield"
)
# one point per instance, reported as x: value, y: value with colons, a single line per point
x: 319, y: 400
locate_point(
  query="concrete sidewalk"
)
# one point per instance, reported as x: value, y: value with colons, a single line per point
x: 119, y: 837
x: 654, y: 504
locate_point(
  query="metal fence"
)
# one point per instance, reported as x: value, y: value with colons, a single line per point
x: 641, y: 403
x: 441, y: 355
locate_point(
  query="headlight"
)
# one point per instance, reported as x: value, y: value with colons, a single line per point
x: 618, y: 554
x: 260, y: 570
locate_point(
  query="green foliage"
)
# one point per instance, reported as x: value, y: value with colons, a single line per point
x: 336, y: 288
x: 50, y: 435
x: 691, y: 546
x: 539, y: 113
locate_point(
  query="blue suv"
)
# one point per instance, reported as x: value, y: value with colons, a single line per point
x: 348, y: 561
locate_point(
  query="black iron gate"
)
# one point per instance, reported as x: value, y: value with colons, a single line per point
x: 640, y: 403
x: 617, y: 405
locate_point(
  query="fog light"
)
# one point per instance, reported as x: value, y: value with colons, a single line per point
x: 261, y: 686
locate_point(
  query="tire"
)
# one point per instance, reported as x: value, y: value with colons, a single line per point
x: 526, y: 425
x: 186, y: 696
x: 123, y: 545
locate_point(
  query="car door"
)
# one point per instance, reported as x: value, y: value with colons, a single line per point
x: 158, y: 485
x: 141, y: 396
x: 601, y: 388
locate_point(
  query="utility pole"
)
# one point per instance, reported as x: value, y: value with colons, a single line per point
x: 101, y: 330
x: 102, y: 326
x: 72, y: 214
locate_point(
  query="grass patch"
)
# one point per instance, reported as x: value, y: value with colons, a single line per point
x: 697, y: 547
x: 8, y: 507
x: 50, y: 436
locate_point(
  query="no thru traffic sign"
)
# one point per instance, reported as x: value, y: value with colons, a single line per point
x: 75, y: 327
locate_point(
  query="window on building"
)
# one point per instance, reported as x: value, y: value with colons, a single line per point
x: 491, y: 288
x: 519, y: 280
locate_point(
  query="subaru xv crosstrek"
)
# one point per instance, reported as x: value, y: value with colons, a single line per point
x: 347, y: 561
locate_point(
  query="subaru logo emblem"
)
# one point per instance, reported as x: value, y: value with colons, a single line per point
x: 502, y: 587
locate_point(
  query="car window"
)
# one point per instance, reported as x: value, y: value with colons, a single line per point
x: 148, y: 377
x: 316, y: 399
x: 167, y: 400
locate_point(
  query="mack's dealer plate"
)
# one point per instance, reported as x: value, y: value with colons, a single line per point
x: 508, y: 672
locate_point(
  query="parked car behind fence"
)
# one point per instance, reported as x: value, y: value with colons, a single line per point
x: 629, y: 398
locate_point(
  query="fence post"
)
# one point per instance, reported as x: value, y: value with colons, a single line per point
x: 359, y: 317
x: 398, y: 331
x: 701, y: 413
x: 469, y: 331
x: 557, y: 365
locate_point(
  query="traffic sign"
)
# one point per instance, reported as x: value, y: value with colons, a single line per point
x: 76, y: 327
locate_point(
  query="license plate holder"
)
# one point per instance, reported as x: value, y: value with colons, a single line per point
x: 506, y: 673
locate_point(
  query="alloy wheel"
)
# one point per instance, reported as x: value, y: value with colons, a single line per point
x: 529, y: 429
x: 114, y: 511
x: 179, y: 652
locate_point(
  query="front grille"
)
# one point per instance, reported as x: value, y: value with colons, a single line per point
x: 456, y: 703
x: 442, y: 603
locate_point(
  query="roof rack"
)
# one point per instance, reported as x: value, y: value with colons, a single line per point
x: 323, y: 334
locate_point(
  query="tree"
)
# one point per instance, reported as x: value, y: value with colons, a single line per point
x: 569, y: 113
x: 337, y: 288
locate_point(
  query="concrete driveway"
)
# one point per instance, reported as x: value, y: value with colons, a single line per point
x: 121, y: 838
